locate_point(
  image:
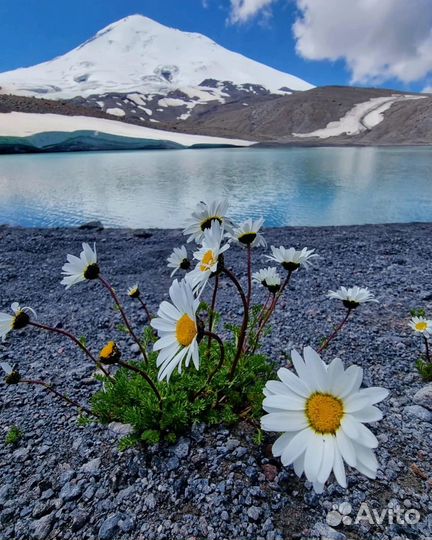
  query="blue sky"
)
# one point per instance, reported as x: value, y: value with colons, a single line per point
x: 321, y: 41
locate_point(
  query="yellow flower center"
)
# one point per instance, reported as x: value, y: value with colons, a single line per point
x: 421, y: 326
x: 324, y: 413
x: 186, y: 330
x: 208, y: 261
x: 108, y: 350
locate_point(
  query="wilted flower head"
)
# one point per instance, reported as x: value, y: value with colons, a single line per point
x: 207, y: 256
x: 178, y: 330
x: 321, y: 412
x: 353, y: 296
x: 19, y: 319
x: 247, y: 233
x: 110, y: 354
x: 134, y: 292
x: 205, y: 214
x: 178, y: 260
x: 291, y: 259
x: 81, y: 268
x: 12, y: 376
x: 269, y: 278
x: 421, y: 325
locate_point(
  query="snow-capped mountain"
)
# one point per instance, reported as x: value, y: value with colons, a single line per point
x: 137, y: 55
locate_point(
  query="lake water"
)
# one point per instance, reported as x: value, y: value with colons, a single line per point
x: 295, y: 186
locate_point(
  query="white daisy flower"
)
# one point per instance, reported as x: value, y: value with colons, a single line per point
x: 18, y: 320
x: 352, y: 297
x: 204, y: 215
x: 178, y: 330
x: 268, y: 278
x: 81, y: 268
x: 207, y: 256
x: 421, y: 325
x: 178, y: 260
x: 321, y: 412
x: 291, y: 259
x: 134, y: 292
x: 247, y: 234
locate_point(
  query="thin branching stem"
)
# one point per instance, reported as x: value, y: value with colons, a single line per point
x: 264, y: 321
x: 74, y: 339
x: 249, y: 274
x: 336, y: 331
x: 212, y: 313
x: 145, y: 376
x: 112, y: 292
x: 244, y: 325
x: 269, y: 312
x: 65, y: 398
x: 222, y: 355
x: 144, y: 305
x: 428, y: 356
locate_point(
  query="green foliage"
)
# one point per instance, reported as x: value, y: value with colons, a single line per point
x: 83, y: 341
x: 418, y: 312
x: 425, y: 369
x: 13, y: 436
x: 187, y: 399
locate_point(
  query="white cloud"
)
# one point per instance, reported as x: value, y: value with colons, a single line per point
x: 243, y: 11
x: 378, y: 39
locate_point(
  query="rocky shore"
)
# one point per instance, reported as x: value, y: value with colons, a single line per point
x: 63, y: 480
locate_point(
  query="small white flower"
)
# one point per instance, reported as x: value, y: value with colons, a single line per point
x: 352, y: 297
x: 80, y: 268
x: 134, y: 291
x: 321, y: 412
x: 421, y: 325
x: 204, y: 215
x: 207, y: 256
x: 178, y: 331
x: 178, y: 260
x: 269, y: 278
x: 291, y: 259
x: 18, y: 320
x: 247, y: 234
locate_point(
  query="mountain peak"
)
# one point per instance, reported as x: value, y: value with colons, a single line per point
x: 138, y: 54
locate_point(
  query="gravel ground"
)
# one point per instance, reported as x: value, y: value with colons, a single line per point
x: 64, y: 480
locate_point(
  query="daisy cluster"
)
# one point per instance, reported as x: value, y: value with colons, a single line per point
x: 421, y: 326
x: 319, y: 408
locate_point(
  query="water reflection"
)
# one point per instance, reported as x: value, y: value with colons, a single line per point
x: 315, y: 186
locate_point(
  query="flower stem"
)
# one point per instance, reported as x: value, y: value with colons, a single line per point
x: 68, y: 400
x: 112, y: 292
x: 145, y: 376
x: 249, y: 274
x: 264, y: 321
x: 335, y: 332
x: 74, y: 339
x: 428, y: 356
x: 212, y: 310
x: 144, y: 305
x: 222, y: 355
x: 269, y: 312
x: 244, y: 325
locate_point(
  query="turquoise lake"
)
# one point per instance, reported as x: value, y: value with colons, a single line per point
x: 293, y: 186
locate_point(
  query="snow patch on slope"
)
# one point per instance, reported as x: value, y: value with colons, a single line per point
x: 361, y: 117
x: 116, y: 111
x: 18, y: 124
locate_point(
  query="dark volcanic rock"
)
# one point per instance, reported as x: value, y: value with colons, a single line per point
x: 65, y: 479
